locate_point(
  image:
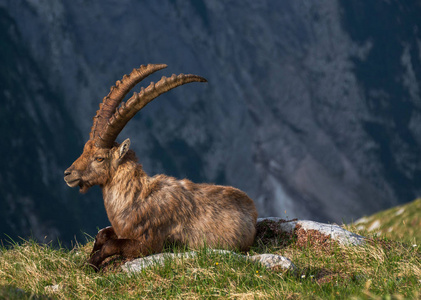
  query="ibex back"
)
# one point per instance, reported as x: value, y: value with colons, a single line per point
x: 144, y: 211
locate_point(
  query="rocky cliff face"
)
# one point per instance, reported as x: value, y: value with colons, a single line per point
x: 312, y: 108
x: 39, y: 137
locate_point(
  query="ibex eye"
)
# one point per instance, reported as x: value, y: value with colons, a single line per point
x: 99, y: 159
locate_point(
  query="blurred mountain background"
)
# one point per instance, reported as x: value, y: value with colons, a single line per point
x: 312, y: 107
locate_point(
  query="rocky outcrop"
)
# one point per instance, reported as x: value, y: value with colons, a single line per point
x: 306, y: 227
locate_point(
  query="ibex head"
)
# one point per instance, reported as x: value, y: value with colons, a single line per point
x: 102, y: 155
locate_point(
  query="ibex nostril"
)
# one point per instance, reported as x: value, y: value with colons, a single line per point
x: 66, y: 173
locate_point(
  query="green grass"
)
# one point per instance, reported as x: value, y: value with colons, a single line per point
x: 400, y: 223
x: 381, y: 269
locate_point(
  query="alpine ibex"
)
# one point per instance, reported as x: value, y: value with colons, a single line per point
x: 144, y: 211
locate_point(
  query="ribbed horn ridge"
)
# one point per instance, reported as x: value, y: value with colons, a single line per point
x: 127, y: 110
x: 117, y: 93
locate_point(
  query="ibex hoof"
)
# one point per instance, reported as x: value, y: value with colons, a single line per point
x: 93, y: 267
x: 90, y: 263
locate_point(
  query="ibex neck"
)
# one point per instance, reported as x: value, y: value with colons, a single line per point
x: 125, y: 176
x: 119, y: 193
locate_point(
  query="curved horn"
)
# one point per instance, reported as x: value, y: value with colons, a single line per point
x: 127, y: 110
x: 117, y: 93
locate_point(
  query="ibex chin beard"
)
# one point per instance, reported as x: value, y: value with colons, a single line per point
x: 83, y: 188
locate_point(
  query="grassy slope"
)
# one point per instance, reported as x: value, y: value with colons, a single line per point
x: 380, y: 268
x: 400, y: 223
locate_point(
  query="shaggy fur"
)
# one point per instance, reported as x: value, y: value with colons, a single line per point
x: 145, y: 212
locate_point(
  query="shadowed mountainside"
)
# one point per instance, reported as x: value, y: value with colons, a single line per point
x: 311, y: 108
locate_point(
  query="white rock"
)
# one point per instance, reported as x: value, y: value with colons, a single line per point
x: 361, y: 220
x: 268, y: 260
x: 52, y: 288
x: 272, y: 260
x: 360, y: 227
x: 376, y: 224
x: 139, y: 264
x: 399, y: 212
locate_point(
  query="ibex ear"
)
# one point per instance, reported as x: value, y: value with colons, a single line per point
x: 124, y: 147
x: 120, y: 152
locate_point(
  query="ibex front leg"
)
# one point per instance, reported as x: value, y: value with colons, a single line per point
x: 127, y: 248
x: 102, y: 237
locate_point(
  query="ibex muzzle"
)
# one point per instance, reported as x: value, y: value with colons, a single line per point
x: 147, y: 211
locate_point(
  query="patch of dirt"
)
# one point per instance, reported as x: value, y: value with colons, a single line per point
x: 313, y: 238
x: 328, y: 277
x: 268, y: 233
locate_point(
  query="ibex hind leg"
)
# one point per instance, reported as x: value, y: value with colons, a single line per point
x: 102, y: 237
